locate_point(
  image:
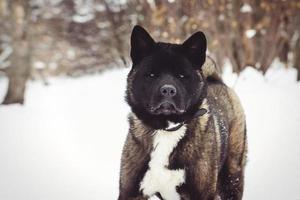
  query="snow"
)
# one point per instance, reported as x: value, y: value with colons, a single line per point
x: 39, y: 65
x: 250, y: 33
x: 83, y: 18
x: 272, y: 111
x: 65, y: 143
x: 246, y: 8
x: 84, y: 11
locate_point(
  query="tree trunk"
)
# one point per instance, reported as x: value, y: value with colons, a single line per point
x: 283, y: 53
x: 297, y: 57
x: 19, y: 71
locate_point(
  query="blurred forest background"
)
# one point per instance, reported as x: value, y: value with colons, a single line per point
x: 43, y: 38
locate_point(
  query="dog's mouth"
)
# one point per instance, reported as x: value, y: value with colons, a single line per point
x: 166, y: 108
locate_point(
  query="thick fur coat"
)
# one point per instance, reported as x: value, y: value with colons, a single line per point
x: 204, y: 156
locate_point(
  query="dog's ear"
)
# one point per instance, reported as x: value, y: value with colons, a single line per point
x: 141, y: 44
x: 195, y: 49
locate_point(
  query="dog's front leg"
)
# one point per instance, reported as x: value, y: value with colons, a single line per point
x: 201, y: 180
x: 134, y: 164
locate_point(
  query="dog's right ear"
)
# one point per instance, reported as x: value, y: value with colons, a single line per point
x: 141, y: 44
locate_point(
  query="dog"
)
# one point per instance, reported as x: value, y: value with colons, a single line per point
x: 187, y: 136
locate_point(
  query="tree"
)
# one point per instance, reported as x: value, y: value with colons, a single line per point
x: 19, y: 71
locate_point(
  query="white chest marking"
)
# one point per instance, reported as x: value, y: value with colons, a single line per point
x: 159, y: 178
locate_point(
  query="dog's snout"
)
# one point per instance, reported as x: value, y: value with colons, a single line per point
x: 168, y: 90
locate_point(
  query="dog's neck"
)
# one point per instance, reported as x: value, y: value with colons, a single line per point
x: 175, y: 126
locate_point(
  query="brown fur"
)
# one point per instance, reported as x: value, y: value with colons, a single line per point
x: 213, y: 151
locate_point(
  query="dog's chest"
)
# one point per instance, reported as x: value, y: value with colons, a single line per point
x: 159, y: 178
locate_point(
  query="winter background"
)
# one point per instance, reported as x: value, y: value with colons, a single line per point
x: 62, y: 138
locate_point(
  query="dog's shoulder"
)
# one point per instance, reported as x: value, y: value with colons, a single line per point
x: 211, y: 72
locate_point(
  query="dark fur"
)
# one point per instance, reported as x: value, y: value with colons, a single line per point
x: 213, y: 150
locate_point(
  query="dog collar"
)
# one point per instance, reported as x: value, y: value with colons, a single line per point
x: 172, y: 127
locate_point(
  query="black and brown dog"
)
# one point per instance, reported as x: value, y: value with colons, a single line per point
x: 187, y: 137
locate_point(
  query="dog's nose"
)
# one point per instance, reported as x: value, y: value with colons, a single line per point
x: 168, y: 90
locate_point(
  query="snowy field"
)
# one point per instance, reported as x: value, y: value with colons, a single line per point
x: 65, y: 143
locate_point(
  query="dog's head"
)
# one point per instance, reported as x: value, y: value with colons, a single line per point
x: 166, y: 81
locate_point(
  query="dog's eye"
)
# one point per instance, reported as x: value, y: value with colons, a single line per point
x: 181, y: 76
x: 151, y: 75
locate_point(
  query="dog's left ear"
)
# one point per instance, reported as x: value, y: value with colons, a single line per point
x: 195, y: 49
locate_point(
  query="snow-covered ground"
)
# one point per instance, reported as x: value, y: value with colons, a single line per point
x: 65, y: 143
